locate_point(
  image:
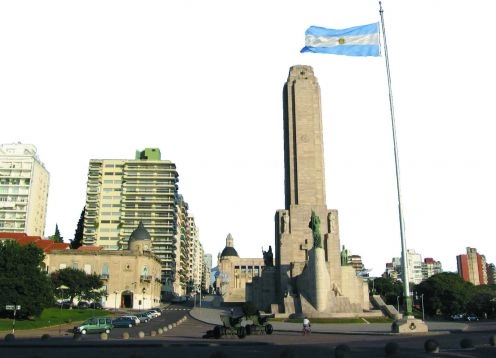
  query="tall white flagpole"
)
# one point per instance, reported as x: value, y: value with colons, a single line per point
x: 404, y: 262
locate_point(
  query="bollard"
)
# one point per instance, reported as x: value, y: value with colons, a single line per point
x: 10, y: 337
x: 103, y: 336
x: 141, y: 334
x: 431, y: 346
x: 125, y: 335
x: 153, y: 333
x: 391, y: 348
x: 342, y: 351
x: 45, y: 336
x: 466, y: 343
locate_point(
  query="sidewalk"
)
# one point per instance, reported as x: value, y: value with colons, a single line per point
x: 211, y: 315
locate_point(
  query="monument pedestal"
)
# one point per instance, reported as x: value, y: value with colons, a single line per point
x: 409, y: 324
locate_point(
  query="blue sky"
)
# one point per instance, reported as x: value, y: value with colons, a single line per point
x: 203, y: 82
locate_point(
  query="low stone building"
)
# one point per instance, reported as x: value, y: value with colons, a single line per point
x: 234, y: 273
x: 131, y: 277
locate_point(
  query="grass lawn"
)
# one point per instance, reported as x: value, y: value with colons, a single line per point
x: 52, y: 317
x: 337, y: 320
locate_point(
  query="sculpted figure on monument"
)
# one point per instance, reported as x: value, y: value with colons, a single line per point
x: 314, y: 224
x: 285, y: 222
x: 268, y: 257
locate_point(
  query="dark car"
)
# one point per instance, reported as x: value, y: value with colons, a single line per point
x: 471, y: 317
x: 65, y: 304
x: 96, y: 305
x: 83, y: 304
x: 121, y: 322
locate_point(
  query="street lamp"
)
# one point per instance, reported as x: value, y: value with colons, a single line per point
x: 423, y: 315
x: 62, y: 288
x: 398, y: 302
x: 115, y: 300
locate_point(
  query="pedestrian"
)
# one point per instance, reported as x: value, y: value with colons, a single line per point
x: 306, y: 326
x: 232, y: 312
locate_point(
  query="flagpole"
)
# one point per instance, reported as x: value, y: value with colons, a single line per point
x: 404, y: 262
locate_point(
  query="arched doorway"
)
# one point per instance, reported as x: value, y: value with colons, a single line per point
x: 127, y: 299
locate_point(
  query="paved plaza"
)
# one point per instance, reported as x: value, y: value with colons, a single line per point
x: 186, y: 340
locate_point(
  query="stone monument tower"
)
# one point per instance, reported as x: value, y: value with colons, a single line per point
x: 307, y: 275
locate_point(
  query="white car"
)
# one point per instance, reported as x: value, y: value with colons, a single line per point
x: 155, y: 314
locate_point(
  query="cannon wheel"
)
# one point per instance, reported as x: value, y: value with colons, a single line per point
x: 217, y: 332
x: 269, y: 329
x: 241, y: 332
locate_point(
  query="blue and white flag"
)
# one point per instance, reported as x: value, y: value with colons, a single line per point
x: 354, y: 41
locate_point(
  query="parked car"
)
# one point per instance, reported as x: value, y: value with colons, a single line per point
x: 96, y: 305
x: 457, y: 317
x: 144, y: 317
x: 83, y: 304
x: 179, y: 299
x: 154, y: 314
x: 123, y: 322
x: 158, y: 311
x: 135, y: 318
x: 94, y: 325
x: 65, y: 304
x: 471, y: 317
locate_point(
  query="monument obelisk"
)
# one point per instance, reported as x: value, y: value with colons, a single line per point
x: 307, y: 276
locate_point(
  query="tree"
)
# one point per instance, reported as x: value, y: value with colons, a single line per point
x: 56, y: 237
x: 389, y: 289
x: 78, y: 235
x: 483, y: 301
x: 22, y: 282
x: 77, y: 283
x: 445, y: 294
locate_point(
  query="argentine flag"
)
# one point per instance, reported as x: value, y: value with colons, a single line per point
x: 354, y: 41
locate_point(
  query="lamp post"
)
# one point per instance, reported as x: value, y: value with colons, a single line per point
x: 62, y: 288
x: 423, y: 315
x: 398, y: 302
x: 115, y: 300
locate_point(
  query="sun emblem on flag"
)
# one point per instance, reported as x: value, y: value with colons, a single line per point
x: 341, y: 41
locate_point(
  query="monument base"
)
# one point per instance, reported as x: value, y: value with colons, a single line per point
x: 409, y: 324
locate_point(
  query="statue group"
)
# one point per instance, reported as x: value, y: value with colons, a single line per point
x: 268, y: 257
x: 314, y: 224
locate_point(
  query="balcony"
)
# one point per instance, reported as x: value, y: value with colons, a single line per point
x: 145, y: 278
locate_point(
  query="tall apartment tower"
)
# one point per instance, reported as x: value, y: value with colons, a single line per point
x: 472, y: 267
x: 122, y: 193
x: 414, y: 266
x: 431, y: 267
x: 24, y: 183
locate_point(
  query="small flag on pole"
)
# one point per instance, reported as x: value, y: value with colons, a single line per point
x: 354, y: 41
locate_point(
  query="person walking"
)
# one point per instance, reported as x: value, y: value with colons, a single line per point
x: 306, y: 326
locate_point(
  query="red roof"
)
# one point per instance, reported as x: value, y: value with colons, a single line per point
x: 44, y: 244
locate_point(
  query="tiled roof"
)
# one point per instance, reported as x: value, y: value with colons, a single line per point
x: 44, y: 244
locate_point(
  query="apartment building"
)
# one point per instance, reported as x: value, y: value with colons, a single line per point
x: 122, y: 193
x: 24, y: 183
x: 472, y: 267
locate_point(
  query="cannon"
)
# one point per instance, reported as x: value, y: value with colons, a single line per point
x: 259, y: 323
x: 231, y: 326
